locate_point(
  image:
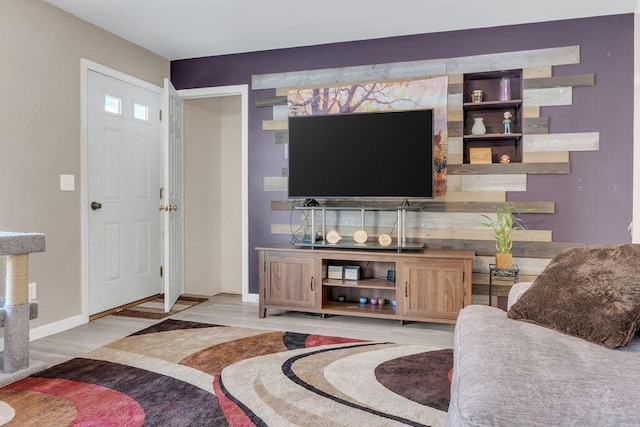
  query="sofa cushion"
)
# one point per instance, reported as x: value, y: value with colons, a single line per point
x: 589, y: 292
x: 512, y: 373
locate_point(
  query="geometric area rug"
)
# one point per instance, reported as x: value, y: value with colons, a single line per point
x: 179, y: 373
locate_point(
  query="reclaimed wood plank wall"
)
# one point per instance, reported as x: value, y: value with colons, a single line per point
x: 455, y: 220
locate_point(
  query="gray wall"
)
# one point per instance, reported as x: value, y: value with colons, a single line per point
x: 41, y: 47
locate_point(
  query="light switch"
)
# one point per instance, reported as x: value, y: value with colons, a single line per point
x: 67, y: 182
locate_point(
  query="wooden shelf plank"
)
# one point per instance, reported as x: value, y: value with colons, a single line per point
x: 509, y: 168
x: 377, y: 310
x: 490, y: 105
x: 440, y: 206
x: 360, y: 284
x: 493, y: 136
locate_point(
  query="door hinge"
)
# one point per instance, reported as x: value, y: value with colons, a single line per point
x: 161, y: 271
x: 160, y: 115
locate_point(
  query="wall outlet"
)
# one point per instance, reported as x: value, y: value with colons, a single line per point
x: 32, y: 291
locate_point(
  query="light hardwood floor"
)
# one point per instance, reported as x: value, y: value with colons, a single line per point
x: 230, y: 310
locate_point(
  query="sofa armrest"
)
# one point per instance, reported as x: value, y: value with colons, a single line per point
x: 516, y: 292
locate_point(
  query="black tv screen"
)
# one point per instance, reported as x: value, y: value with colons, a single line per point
x: 382, y: 154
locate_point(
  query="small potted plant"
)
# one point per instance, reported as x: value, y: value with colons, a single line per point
x: 503, y: 225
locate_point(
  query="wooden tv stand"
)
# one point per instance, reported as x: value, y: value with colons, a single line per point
x: 432, y: 285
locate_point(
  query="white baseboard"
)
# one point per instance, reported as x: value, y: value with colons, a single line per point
x: 251, y: 298
x: 52, y: 328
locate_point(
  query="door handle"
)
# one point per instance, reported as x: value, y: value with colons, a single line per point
x: 95, y: 206
x: 168, y: 208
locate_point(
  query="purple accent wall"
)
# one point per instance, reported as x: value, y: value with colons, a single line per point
x: 593, y: 202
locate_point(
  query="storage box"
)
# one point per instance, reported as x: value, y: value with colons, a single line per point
x: 335, y: 272
x: 480, y: 155
x: 351, y: 272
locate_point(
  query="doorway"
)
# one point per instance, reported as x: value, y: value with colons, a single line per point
x: 213, y: 195
x: 217, y: 190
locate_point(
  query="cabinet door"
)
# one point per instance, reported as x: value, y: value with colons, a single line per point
x: 290, y: 281
x: 432, y: 289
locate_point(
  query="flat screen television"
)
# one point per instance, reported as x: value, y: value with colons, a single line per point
x: 377, y: 155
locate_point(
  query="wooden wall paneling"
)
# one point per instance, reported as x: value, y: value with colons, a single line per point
x: 516, y: 182
x: 537, y: 72
x: 548, y: 97
x: 418, y: 69
x: 514, y: 60
x: 275, y: 183
x: 421, y: 234
x: 499, y: 289
x: 528, y: 112
x: 280, y: 112
x: 535, y: 125
x: 587, y: 141
x: 454, y: 183
x: 281, y: 136
x: 483, y: 278
x: 454, y: 115
x: 455, y: 81
x: 356, y: 74
x: 423, y: 222
x: 454, y: 129
x: 475, y: 206
x: 453, y: 220
x: 545, y: 157
x: 521, y: 249
x: 270, y: 101
x: 455, y: 88
x: 510, y: 168
x: 454, y: 159
x: 473, y: 196
x: 454, y: 101
x: 274, y: 124
x: 455, y: 144
x: 560, y: 81
x: 527, y: 266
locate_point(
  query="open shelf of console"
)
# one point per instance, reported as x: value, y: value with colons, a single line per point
x: 431, y: 285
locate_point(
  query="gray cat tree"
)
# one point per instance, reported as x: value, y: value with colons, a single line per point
x: 15, y: 308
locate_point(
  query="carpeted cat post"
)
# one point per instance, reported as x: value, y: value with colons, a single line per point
x: 15, y: 308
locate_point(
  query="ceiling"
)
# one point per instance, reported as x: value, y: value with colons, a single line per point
x: 179, y: 29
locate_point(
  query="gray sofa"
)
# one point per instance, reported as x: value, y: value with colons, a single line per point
x: 512, y: 373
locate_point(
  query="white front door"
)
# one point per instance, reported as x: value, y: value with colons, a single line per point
x: 123, y: 187
x: 173, y: 154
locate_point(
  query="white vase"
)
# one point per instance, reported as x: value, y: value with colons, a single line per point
x: 478, y: 126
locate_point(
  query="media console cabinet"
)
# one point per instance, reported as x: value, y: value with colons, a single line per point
x: 431, y: 285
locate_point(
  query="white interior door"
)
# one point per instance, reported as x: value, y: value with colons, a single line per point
x: 123, y: 185
x: 173, y: 154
